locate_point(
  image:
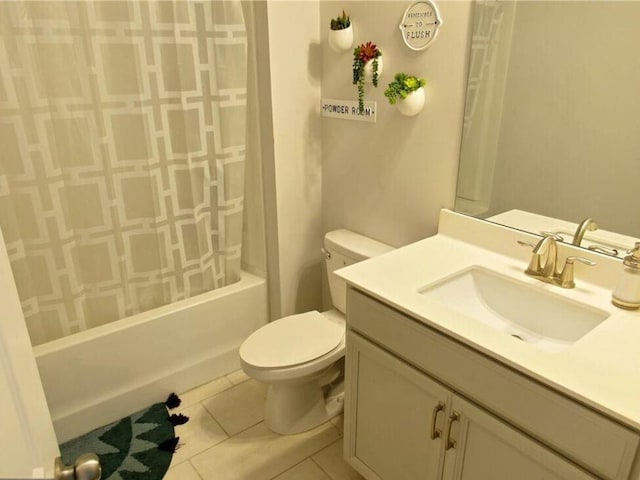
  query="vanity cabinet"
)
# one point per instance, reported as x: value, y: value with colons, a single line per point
x: 399, y: 416
x: 420, y: 405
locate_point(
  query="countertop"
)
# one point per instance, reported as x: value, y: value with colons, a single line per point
x: 601, y: 370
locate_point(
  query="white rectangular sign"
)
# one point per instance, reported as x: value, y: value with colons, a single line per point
x: 348, y: 110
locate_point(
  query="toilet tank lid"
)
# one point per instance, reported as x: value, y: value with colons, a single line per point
x: 354, y: 245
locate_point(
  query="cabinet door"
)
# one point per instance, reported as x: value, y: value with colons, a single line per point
x: 394, y: 416
x: 479, y: 446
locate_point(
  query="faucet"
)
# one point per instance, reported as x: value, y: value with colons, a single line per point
x: 544, y: 258
x: 585, y: 225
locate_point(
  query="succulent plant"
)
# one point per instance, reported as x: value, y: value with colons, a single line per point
x: 341, y: 22
x: 361, y: 55
x: 402, y: 85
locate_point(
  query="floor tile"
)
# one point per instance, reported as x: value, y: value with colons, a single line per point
x: 338, y: 421
x: 306, y: 470
x: 239, y: 407
x: 198, y: 434
x: 259, y: 454
x: 331, y: 460
x: 202, y: 392
x: 237, y: 377
x: 183, y: 471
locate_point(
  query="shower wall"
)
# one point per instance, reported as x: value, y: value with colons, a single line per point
x: 122, y: 175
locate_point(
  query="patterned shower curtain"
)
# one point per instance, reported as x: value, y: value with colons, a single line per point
x: 122, y: 143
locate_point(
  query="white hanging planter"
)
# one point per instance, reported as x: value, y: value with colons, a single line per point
x: 341, y: 40
x: 368, y: 69
x: 412, y: 105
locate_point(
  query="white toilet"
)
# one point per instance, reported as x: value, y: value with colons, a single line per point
x: 301, y: 357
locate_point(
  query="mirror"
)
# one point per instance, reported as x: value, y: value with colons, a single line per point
x: 552, y: 118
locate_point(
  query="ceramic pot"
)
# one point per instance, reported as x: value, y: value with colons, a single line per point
x: 341, y: 40
x: 412, y: 105
x: 368, y: 70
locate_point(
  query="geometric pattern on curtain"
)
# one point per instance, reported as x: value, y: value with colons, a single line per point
x: 122, y: 134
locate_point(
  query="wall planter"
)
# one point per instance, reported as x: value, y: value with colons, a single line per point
x: 367, y: 68
x: 341, y: 33
x: 407, y: 92
x: 412, y: 104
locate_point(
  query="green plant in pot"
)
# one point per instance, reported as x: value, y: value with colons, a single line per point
x: 341, y: 33
x: 408, y: 92
x: 341, y: 22
x: 367, y: 63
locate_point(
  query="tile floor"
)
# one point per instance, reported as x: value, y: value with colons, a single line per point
x: 226, y: 439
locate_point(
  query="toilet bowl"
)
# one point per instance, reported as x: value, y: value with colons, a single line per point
x: 301, y: 357
x: 305, y: 385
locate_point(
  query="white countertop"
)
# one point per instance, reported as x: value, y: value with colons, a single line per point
x: 602, y: 369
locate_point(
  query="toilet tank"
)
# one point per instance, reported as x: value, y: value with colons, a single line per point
x: 342, y: 248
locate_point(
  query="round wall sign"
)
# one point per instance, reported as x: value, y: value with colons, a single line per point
x: 420, y: 24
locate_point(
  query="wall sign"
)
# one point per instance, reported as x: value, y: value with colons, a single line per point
x: 348, y: 110
x: 420, y: 24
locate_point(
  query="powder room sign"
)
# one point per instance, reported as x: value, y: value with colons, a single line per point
x: 420, y: 24
x: 348, y: 110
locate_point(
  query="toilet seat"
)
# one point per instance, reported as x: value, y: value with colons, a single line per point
x: 291, y: 341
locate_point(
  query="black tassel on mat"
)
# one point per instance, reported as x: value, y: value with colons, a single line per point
x: 178, y: 419
x: 170, y: 445
x: 173, y: 401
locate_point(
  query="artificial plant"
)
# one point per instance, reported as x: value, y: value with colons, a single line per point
x: 341, y: 22
x: 361, y: 55
x: 402, y: 85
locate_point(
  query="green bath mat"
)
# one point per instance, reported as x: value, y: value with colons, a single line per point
x: 136, y: 447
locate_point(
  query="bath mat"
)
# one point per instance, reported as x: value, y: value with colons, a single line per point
x: 136, y: 447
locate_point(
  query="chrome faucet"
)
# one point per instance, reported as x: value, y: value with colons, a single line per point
x: 544, y: 259
x: 585, y: 225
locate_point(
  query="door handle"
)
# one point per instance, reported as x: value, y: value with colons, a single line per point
x: 86, y: 467
x: 451, y: 443
x: 435, y: 433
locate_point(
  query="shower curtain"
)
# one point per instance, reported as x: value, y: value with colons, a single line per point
x: 122, y: 143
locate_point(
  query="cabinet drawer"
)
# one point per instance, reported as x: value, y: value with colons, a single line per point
x: 577, y: 432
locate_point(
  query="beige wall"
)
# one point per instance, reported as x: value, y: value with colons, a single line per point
x: 386, y: 180
x: 294, y: 36
x: 389, y: 180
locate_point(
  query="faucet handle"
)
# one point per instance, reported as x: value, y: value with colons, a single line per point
x: 613, y: 252
x: 555, y: 236
x: 534, y: 268
x: 566, y: 276
x: 524, y: 243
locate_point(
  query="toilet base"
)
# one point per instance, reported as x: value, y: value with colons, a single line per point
x: 294, y: 408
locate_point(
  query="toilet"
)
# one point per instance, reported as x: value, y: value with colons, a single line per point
x: 301, y: 357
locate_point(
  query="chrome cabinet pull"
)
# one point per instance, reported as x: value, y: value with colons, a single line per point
x: 450, y: 443
x: 435, y: 433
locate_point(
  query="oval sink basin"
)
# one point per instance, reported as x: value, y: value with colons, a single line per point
x: 546, y: 320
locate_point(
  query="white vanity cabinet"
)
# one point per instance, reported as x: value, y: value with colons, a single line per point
x: 399, y: 415
x: 420, y: 405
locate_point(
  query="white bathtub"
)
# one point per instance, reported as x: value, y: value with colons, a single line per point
x: 98, y: 376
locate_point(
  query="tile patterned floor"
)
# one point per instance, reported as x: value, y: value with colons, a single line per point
x: 226, y: 439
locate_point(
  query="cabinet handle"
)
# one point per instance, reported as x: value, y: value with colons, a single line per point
x: 450, y: 443
x: 435, y: 433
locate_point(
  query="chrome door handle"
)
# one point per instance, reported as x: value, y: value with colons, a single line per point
x: 450, y: 443
x: 435, y: 433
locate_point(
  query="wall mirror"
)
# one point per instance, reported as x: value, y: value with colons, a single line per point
x: 552, y: 118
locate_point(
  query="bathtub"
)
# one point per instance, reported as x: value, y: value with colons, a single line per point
x: 103, y: 374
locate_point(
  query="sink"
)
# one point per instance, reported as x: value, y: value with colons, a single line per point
x: 544, y: 319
